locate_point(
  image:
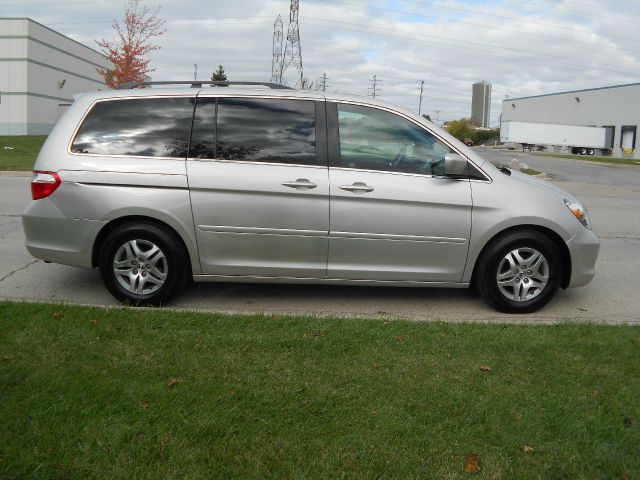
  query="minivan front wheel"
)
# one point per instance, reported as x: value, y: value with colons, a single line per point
x: 520, y: 272
x: 142, y: 264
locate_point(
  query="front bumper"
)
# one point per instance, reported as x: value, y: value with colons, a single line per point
x: 584, y: 248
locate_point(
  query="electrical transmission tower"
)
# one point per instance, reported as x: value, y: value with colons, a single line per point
x: 276, y: 63
x: 292, y: 50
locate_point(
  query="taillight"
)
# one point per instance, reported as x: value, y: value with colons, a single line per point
x: 43, y: 184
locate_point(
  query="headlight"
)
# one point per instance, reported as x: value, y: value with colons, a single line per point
x: 579, y: 212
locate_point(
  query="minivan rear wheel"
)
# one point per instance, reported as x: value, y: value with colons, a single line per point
x: 142, y: 264
x: 519, y: 272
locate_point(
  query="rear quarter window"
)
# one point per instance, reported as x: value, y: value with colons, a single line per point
x: 146, y: 127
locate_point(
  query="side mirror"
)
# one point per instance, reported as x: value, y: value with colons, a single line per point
x: 455, y: 164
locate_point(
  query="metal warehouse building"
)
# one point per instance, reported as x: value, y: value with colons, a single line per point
x: 40, y: 71
x: 617, y: 106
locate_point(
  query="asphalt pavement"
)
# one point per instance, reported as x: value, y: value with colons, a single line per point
x: 568, y: 170
x: 612, y: 297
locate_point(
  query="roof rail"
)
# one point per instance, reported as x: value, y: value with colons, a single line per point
x: 200, y: 84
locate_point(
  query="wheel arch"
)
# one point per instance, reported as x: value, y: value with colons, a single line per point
x: 553, y: 236
x: 110, y: 226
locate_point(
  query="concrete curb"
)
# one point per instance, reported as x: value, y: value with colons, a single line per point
x: 14, y: 173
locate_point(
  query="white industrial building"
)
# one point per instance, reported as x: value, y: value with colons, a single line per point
x: 40, y: 71
x: 616, y: 107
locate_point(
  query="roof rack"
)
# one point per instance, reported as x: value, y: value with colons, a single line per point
x: 200, y: 84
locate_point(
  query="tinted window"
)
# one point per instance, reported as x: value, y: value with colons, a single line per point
x: 266, y: 130
x: 373, y: 139
x: 203, y: 134
x: 149, y: 127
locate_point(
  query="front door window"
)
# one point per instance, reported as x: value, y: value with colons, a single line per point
x: 372, y: 139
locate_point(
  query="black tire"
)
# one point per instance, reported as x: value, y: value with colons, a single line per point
x: 494, y: 261
x: 157, y: 281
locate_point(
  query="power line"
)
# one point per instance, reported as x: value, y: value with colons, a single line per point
x: 526, y: 21
x: 556, y: 7
x: 447, y: 42
x: 465, y: 22
x: 41, y: 4
x: 370, y: 31
x: 511, y: 19
x: 175, y: 21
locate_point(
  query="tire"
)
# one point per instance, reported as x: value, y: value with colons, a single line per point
x: 156, y: 279
x: 530, y: 288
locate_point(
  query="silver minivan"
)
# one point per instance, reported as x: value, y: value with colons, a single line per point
x: 156, y: 186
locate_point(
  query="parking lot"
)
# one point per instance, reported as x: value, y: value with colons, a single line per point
x: 612, y: 196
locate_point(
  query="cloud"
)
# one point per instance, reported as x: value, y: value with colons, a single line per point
x: 522, y: 47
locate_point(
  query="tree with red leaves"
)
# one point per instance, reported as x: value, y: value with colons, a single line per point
x: 127, y: 54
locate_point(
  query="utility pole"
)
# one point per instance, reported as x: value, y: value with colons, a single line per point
x: 195, y: 72
x: 420, y: 103
x: 437, y: 112
x: 374, y: 83
x: 321, y: 83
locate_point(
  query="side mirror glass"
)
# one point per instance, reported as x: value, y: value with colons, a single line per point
x: 455, y: 164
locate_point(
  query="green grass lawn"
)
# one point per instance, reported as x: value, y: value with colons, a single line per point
x: 21, y: 152
x: 531, y: 171
x: 124, y: 393
x: 593, y: 158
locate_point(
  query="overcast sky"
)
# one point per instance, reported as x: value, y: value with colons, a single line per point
x: 521, y: 47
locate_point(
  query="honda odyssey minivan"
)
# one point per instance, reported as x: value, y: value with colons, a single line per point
x: 155, y: 186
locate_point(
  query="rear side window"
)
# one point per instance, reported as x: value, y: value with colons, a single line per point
x: 255, y: 130
x: 147, y: 127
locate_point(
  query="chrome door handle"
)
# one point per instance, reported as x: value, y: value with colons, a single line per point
x: 300, y: 184
x: 357, y: 187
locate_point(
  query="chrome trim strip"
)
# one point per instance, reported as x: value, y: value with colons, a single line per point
x: 388, y: 236
x: 261, y: 95
x: 131, y: 185
x: 387, y: 172
x: 312, y: 280
x: 250, y: 162
x: 115, y: 99
x: 202, y: 93
x: 323, y: 233
x: 262, y: 231
x: 179, y: 159
x: 420, y: 125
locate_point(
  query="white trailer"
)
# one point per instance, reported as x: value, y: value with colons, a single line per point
x: 577, y: 138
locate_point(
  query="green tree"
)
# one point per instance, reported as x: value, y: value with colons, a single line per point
x: 486, y: 137
x: 219, y: 75
x: 461, y: 129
